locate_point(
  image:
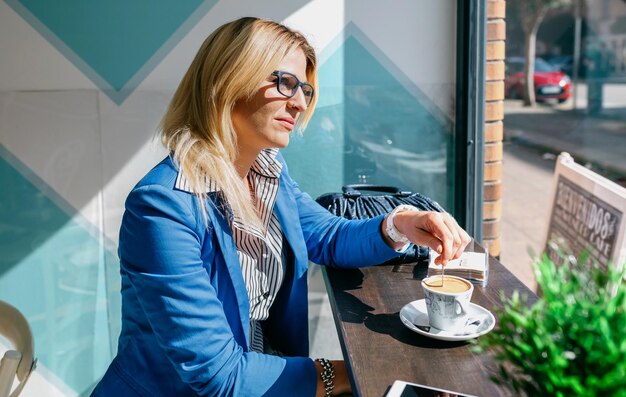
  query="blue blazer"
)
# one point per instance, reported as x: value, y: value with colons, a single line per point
x: 185, y: 309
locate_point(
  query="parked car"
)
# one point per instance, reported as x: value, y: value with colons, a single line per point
x: 550, y: 82
x: 564, y: 63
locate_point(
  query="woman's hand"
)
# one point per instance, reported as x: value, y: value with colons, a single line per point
x: 437, y: 230
x: 341, y: 381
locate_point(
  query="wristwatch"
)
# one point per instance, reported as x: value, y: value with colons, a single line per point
x: 392, y: 232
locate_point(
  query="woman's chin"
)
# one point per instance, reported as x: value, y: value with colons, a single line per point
x: 282, y: 141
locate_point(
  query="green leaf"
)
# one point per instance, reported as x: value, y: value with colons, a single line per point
x: 571, y: 341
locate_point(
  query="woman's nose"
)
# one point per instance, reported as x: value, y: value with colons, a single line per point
x: 298, y: 101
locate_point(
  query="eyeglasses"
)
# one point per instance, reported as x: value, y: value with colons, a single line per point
x: 288, y: 84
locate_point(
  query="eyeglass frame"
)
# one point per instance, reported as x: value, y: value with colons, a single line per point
x: 299, y: 84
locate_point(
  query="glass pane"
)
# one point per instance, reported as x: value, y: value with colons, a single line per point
x: 385, y: 113
x: 53, y: 260
x: 585, y: 116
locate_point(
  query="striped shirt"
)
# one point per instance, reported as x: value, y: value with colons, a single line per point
x: 260, y: 250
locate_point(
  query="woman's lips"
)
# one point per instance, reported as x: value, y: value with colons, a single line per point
x: 287, y: 123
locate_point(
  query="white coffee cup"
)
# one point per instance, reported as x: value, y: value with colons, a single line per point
x: 447, y: 303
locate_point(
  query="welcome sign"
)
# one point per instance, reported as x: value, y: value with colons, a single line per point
x: 587, y: 214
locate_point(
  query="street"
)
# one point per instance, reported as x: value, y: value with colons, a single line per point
x: 598, y: 141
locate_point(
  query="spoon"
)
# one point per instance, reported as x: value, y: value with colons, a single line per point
x: 443, y: 272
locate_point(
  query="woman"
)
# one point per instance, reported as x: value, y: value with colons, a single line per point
x: 216, y: 239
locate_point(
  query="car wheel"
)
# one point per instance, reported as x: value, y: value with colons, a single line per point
x: 562, y: 100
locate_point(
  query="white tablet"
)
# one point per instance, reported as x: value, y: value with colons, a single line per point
x: 405, y: 389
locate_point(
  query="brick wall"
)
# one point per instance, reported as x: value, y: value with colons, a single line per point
x: 494, y: 114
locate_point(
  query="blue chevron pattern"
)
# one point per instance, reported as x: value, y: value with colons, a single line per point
x: 115, y: 43
x: 52, y: 268
x: 372, y: 122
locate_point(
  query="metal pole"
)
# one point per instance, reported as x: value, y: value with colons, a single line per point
x: 576, y: 63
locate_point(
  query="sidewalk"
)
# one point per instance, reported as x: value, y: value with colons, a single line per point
x: 526, y: 188
x: 532, y: 139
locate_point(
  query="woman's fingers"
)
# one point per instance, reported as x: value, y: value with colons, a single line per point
x: 424, y: 238
x: 461, y: 238
x: 436, y: 230
x: 456, y: 242
x: 429, y: 228
x: 440, y: 227
x: 465, y: 237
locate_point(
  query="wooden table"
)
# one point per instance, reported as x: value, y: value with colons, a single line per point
x: 379, y: 349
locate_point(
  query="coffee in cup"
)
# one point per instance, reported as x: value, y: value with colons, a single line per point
x: 447, y: 301
x: 448, y: 284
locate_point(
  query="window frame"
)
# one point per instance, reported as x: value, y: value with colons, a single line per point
x: 467, y: 160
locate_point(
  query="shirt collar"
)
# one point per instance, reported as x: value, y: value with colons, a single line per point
x: 265, y: 164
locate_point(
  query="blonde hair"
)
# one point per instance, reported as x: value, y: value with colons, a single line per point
x: 197, y: 127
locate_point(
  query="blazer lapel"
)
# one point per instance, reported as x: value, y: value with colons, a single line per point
x: 287, y: 214
x: 231, y: 259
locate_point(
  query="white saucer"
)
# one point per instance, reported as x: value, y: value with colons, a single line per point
x: 415, y: 317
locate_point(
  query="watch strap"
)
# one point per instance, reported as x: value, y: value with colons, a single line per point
x: 391, y: 229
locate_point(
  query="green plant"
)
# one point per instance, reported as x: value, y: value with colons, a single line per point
x: 571, y: 341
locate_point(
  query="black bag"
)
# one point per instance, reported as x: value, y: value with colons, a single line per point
x: 354, y: 204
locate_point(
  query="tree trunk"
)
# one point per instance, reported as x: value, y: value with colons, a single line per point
x: 531, y: 26
x: 529, y: 67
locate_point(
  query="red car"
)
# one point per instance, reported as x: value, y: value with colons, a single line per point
x: 550, y: 82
